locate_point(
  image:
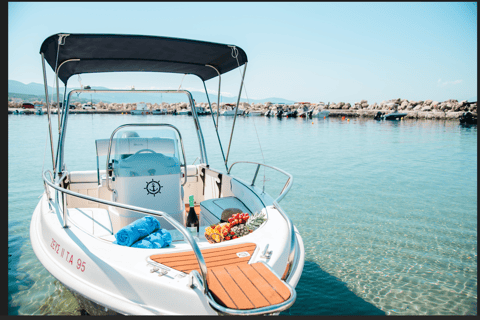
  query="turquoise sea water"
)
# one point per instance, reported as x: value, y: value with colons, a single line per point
x: 387, y: 210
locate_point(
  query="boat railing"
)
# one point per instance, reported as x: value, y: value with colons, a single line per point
x: 285, y: 188
x: 166, y: 216
x: 283, y: 193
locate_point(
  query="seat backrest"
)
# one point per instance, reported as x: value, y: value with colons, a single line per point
x: 152, y: 181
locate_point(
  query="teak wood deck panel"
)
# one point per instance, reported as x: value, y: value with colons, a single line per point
x: 246, y: 286
x: 187, y: 261
x: 232, y: 281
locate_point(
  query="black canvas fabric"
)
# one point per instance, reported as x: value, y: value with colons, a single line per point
x: 111, y: 52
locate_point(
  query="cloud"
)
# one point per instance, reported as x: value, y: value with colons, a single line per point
x: 448, y: 83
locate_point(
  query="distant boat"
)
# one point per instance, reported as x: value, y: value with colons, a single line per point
x: 201, y: 111
x: 38, y: 110
x: 159, y: 111
x: 290, y: 113
x: 319, y: 113
x: 395, y: 116
x: 140, y: 109
x: 185, y: 111
x: 391, y: 116
x: 468, y: 118
x: 230, y: 111
x: 304, y: 111
x: 254, y: 113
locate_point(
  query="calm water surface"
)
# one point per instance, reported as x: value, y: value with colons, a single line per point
x: 387, y: 210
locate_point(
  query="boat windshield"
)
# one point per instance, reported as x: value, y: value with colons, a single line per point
x: 134, y: 140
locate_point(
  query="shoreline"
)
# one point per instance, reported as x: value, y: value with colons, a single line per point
x: 450, y: 109
x: 334, y: 113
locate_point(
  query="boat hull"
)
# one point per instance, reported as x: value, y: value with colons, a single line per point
x: 395, y: 116
x: 123, y: 283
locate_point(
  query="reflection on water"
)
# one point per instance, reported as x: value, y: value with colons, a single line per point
x: 387, y: 210
x: 320, y: 293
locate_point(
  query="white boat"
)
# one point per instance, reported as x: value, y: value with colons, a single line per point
x: 304, y: 110
x: 185, y: 111
x: 202, y: 111
x: 140, y: 109
x: 320, y: 113
x: 160, y: 111
x: 255, y: 113
x: 88, y: 106
x: 75, y: 228
x: 39, y: 110
x: 230, y: 110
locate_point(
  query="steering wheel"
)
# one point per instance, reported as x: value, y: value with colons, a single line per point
x: 144, y: 150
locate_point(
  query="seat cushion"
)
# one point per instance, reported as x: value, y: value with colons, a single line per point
x: 216, y: 206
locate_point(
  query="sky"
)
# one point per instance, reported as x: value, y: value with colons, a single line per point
x: 300, y: 51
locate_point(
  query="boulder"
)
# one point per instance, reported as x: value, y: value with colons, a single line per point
x: 438, y: 115
x: 453, y: 115
x: 428, y: 102
x: 426, y: 108
x: 364, y: 104
x: 412, y: 114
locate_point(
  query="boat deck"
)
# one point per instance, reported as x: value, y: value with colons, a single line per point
x: 233, y: 282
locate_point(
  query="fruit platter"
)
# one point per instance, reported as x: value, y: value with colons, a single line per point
x: 238, y: 225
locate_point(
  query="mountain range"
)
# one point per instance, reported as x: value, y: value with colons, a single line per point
x: 36, y: 91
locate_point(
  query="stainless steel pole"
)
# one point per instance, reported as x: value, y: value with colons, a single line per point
x: 235, y: 115
x: 48, y: 110
x: 215, y: 124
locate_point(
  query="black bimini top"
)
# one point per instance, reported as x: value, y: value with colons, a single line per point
x: 112, y: 52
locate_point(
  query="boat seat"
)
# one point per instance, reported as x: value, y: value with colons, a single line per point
x: 211, y: 210
x: 95, y: 221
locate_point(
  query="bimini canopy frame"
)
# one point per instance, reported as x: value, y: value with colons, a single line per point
x: 70, y: 54
x: 114, y: 53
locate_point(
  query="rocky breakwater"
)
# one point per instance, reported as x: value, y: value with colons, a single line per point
x: 428, y: 109
x: 450, y: 109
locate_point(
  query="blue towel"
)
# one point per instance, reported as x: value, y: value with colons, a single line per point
x: 136, y: 230
x: 159, y: 239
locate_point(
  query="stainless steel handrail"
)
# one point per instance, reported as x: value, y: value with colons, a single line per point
x: 146, y: 125
x: 166, y: 216
x: 287, y: 185
x: 284, y: 191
